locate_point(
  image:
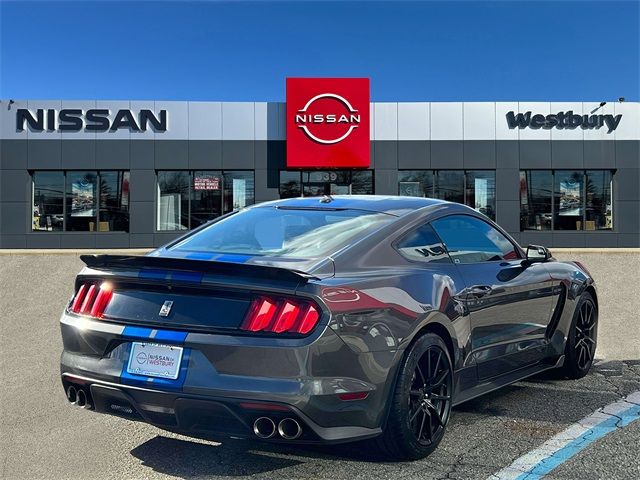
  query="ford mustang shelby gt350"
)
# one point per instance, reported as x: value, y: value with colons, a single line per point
x: 324, y: 320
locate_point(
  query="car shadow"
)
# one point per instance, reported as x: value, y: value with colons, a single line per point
x: 531, y: 411
x: 185, y: 458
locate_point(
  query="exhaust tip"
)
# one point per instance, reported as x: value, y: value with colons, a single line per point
x: 72, y: 394
x: 264, y: 427
x: 81, y: 398
x: 289, y: 429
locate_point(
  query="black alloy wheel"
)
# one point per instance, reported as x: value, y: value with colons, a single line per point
x: 430, y: 396
x: 421, y: 401
x: 585, y: 334
x: 582, y: 338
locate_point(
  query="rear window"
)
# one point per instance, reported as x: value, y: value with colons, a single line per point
x: 284, y: 232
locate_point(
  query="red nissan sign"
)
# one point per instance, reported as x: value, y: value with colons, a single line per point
x: 328, y: 123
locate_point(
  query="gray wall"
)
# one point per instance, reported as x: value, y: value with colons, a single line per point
x: 267, y: 157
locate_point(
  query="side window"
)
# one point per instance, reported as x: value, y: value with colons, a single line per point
x: 471, y: 240
x: 423, y: 245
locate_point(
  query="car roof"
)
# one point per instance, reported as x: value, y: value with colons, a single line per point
x: 394, y: 205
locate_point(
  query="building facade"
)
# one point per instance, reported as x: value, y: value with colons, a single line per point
x: 119, y: 174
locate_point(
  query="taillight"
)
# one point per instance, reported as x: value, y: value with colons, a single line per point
x: 285, y: 315
x: 102, y: 300
x: 77, y: 300
x: 91, y: 299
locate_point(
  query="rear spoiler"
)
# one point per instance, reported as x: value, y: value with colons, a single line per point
x: 102, y: 262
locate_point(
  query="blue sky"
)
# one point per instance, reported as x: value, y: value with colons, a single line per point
x: 239, y: 51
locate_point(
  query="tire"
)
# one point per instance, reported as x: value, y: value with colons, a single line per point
x: 581, y: 343
x: 421, y: 400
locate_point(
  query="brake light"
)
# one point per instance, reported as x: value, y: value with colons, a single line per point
x: 288, y: 315
x: 86, y: 305
x: 102, y: 300
x: 77, y: 300
x: 92, y: 299
x: 284, y: 315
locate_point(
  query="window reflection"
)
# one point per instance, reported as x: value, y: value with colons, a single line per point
x: 188, y: 199
x: 238, y: 190
x: 573, y: 199
x: 450, y: 185
x: 480, y: 192
x: 114, y: 202
x: 476, y: 188
x: 535, y: 200
x: 173, y: 200
x: 568, y: 200
x: 599, y: 211
x: 290, y: 184
x: 206, y: 197
x: 48, y: 201
x: 321, y: 182
x: 81, y: 193
x: 362, y: 182
x: 415, y: 183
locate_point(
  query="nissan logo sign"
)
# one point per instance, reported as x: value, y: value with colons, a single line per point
x: 341, y: 113
x: 328, y: 123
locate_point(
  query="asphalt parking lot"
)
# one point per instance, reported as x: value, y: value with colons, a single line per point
x: 42, y: 436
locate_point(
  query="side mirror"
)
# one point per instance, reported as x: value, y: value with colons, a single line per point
x: 537, y: 253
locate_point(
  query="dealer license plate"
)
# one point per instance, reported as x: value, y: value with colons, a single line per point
x: 154, y: 360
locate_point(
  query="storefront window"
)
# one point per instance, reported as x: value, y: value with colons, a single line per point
x: 480, y: 192
x: 81, y: 201
x: 206, y: 197
x: 320, y: 182
x: 362, y: 182
x: 81, y: 193
x: 476, y: 188
x: 450, y: 185
x: 114, y: 202
x: 599, y: 211
x: 415, y: 183
x: 535, y: 200
x: 238, y: 190
x: 173, y: 200
x: 290, y: 184
x: 189, y: 199
x: 568, y: 200
x: 48, y: 201
x: 581, y: 200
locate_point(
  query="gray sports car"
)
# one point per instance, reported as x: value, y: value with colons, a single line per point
x: 324, y: 320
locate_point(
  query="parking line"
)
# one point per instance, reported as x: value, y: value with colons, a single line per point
x: 557, y: 450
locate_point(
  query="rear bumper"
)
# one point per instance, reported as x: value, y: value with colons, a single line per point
x: 301, y: 377
x: 206, y: 417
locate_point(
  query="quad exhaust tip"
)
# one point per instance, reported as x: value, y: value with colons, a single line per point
x: 264, y: 427
x: 289, y: 429
x: 81, y: 400
x: 72, y: 394
x: 77, y: 396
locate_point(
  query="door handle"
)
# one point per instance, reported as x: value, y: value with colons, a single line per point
x: 480, y: 290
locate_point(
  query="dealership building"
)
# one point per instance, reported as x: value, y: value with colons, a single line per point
x: 120, y: 174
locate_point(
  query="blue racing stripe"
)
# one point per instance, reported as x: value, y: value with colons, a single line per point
x: 200, y: 256
x: 137, y: 332
x: 194, y: 277
x: 546, y: 465
x: 151, y: 274
x: 233, y: 258
x: 170, y: 336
